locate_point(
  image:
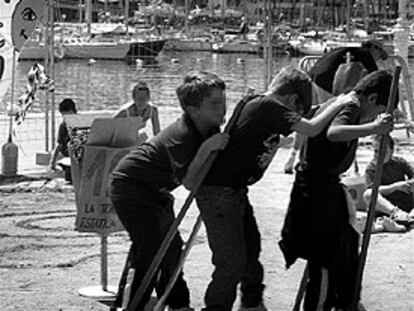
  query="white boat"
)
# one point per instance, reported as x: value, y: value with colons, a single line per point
x: 79, y: 47
x: 312, y: 47
x: 36, y: 50
x: 184, y: 43
x: 237, y: 45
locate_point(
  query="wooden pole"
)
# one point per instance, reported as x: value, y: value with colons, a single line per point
x: 174, y: 226
x: 126, y: 17
x: 52, y: 73
x: 190, y: 242
x: 104, y: 262
x: 377, y: 181
x: 46, y: 93
x: 302, y: 289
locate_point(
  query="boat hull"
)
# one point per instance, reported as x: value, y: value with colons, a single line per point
x: 187, y: 45
x: 244, y: 47
x: 33, y: 50
x: 105, y: 50
x: 145, y: 49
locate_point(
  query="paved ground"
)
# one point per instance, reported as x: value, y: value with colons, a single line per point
x: 44, y: 262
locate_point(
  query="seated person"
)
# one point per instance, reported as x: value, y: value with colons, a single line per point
x: 395, y: 194
x: 66, y: 106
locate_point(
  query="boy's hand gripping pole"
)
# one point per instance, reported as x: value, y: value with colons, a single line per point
x: 180, y: 216
x: 392, y: 104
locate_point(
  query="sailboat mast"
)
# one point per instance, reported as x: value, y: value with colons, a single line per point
x: 52, y: 70
x: 186, y: 10
x: 88, y: 16
x: 126, y: 16
x: 348, y: 17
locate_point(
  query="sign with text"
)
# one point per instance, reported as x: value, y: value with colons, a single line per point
x: 108, y: 141
x: 95, y: 211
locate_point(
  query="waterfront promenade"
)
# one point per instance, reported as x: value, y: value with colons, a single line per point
x: 44, y: 262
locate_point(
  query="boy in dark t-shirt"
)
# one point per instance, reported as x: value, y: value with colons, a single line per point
x: 223, y: 201
x: 323, y: 74
x: 317, y: 225
x: 66, y: 106
x: 395, y: 194
x: 142, y: 181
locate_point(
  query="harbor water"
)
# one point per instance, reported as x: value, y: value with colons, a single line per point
x: 106, y: 85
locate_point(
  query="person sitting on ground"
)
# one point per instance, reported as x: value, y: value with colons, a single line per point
x: 141, y: 107
x: 396, y: 190
x: 323, y: 75
x: 66, y: 106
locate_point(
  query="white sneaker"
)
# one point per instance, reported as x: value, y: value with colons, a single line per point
x: 391, y: 226
x: 260, y: 307
x: 400, y: 216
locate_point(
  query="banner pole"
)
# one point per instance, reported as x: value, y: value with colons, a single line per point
x: 102, y: 291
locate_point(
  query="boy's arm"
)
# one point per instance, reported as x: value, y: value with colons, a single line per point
x: 314, y: 126
x: 155, y: 120
x: 53, y: 157
x: 382, y: 125
x: 214, y: 143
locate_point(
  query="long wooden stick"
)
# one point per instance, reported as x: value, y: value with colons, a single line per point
x: 377, y: 181
x: 161, y: 302
x: 302, y: 289
x: 174, y: 226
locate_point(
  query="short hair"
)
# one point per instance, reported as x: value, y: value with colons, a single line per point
x: 67, y: 105
x: 389, y: 141
x: 196, y: 86
x: 375, y: 44
x: 290, y: 80
x: 378, y: 82
x: 140, y: 86
x: 371, y: 43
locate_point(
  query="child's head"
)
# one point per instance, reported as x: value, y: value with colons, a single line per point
x: 376, y: 49
x: 373, y: 91
x: 141, y: 92
x: 389, y: 146
x: 67, y: 106
x: 295, y: 86
x: 202, y: 95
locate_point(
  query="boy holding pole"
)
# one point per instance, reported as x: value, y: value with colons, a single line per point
x: 142, y: 181
x: 318, y: 225
x: 223, y: 197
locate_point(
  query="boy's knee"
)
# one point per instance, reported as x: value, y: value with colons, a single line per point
x: 367, y: 195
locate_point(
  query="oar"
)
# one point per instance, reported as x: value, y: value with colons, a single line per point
x: 174, y: 226
x: 374, y: 195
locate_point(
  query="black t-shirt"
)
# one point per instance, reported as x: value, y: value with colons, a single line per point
x: 253, y: 142
x: 323, y: 72
x: 162, y: 162
x: 327, y: 158
x: 63, y: 138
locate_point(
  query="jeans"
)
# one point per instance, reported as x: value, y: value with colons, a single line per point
x: 147, y: 216
x: 234, y: 240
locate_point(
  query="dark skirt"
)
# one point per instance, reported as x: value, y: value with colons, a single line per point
x: 316, y: 225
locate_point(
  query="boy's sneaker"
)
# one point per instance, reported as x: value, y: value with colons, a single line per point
x: 260, y: 307
x: 181, y: 309
x: 400, y: 216
x: 392, y: 226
